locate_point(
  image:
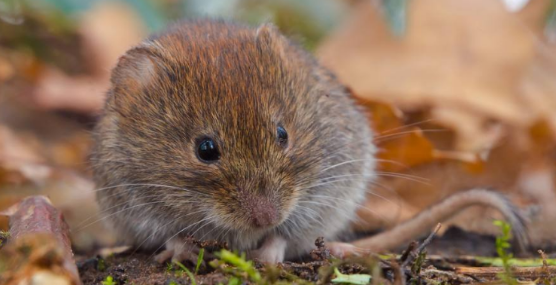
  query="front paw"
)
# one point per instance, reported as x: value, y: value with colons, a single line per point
x: 179, y: 249
x: 272, y: 251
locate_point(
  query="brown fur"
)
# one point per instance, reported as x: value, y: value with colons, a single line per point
x: 236, y: 85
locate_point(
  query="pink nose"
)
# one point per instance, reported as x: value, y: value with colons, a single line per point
x: 263, y: 213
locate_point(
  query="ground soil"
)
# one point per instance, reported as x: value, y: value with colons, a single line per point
x: 132, y: 267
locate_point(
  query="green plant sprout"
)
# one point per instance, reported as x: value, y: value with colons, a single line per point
x: 109, y: 280
x: 3, y: 237
x: 101, y: 264
x: 502, y: 245
x: 244, y: 266
x: 169, y: 268
x: 199, y: 260
x: 187, y: 271
x: 234, y: 281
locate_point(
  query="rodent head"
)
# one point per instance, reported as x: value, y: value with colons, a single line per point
x: 232, y: 121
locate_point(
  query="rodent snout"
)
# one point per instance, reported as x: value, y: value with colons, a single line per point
x: 264, y: 214
x: 261, y: 211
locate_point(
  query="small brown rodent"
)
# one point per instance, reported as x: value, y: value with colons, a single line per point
x: 220, y: 131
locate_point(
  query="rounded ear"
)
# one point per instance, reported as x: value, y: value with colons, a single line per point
x: 269, y: 36
x: 135, y: 69
x: 266, y: 30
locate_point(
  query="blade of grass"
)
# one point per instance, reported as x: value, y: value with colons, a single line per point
x: 189, y: 274
x: 199, y: 260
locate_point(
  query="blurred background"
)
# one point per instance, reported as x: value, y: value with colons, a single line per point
x: 462, y: 94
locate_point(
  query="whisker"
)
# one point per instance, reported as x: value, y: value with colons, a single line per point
x: 406, y: 126
x: 312, y: 217
x: 409, y: 177
x: 149, y: 185
x: 395, y: 135
x: 403, y: 165
x: 213, y: 228
x: 121, y: 204
x: 179, y: 232
x: 325, y: 183
x: 359, y: 205
x: 364, y: 207
x: 343, y: 163
x: 341, y: 211
x: 117, y: 212
x: 171, y: 221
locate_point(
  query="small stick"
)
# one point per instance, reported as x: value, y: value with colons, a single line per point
x: 40, y: 228
x: 423, y: 245
x: 399, y: 275
x: 546, y: 276
x: 543, y: 256
x: 407, y: 252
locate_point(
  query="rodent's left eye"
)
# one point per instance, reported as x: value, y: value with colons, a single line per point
x: 282, y: 136
x: 207, y: 150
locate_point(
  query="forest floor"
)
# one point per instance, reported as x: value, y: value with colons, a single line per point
x: 450, y: 259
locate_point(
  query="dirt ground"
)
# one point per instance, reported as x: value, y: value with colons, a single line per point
x: 445, y: 254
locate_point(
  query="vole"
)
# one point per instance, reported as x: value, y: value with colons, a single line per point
x: 219, y: 131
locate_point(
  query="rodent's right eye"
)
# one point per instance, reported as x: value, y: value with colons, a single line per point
x: 207, y: 150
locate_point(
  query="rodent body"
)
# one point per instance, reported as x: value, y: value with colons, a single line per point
x: 225, y: 132
x: 235, y: 86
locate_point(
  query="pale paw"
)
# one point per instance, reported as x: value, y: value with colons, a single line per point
x: 273, y: 250
x: 178, y: 249
x: 342, y: 249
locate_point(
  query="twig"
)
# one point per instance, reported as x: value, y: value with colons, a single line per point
x: 407, y: 252
x: 546, y: 276
x: 39, y: 244
x: 399, y: 275
x: 422, y: 247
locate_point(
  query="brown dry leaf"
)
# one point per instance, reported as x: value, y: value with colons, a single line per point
x: 401, y: 146
x: 409, y: 149
x: 57, y: 91
x: 34, y: 165
x: 6, y: 70
x: 21, y: 157
x: 384, y: 117
x: 480, y: 71
x: 20, y: 164
x: 538, y: 86
x: 462, y: 58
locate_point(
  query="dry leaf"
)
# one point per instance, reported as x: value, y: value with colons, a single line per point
x: 450, y: 60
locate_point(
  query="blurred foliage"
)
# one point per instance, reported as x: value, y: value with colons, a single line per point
x: 46, y: 34
x: 32, y: 23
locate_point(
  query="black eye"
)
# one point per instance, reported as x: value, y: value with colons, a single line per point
x: 282, y: 136
x: 207, y: 151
